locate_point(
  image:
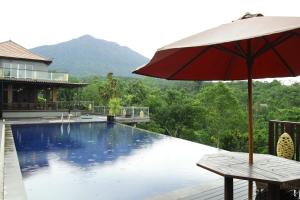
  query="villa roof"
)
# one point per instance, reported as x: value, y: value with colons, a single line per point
x: 10, y: 49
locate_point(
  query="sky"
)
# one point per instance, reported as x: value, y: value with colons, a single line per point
x: 143, y: 26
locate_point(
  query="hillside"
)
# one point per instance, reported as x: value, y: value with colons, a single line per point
x: 87, y: 55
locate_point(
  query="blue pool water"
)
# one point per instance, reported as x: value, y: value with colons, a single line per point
x: 91, y: 161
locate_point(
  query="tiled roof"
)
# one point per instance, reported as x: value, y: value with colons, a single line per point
x: 10, y: 49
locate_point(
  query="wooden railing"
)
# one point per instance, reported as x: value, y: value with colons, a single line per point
x: 276, y: 128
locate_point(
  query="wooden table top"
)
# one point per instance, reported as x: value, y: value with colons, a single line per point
x: 266, y: 168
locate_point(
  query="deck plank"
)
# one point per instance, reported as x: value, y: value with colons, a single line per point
x: 211, y: 191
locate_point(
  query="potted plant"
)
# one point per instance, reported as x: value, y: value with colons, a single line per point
x: 114, y: 105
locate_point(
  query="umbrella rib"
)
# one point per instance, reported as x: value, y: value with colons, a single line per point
x: 189, y: 62
x: 275, y: 43
x: 238, y: 45
x: 227, y: 50
x: 283, y: 61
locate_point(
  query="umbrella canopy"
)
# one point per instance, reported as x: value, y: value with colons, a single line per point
x: 270, y: 44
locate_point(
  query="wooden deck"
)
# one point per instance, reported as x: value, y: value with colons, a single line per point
x: 209, y: 191
x: 272, y: 170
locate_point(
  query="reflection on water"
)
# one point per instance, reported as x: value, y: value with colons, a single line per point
x: 79, y: 144
x: 94, y: 160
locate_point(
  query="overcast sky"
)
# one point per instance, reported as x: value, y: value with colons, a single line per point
x: 142, y: 25
x: 139, y: 24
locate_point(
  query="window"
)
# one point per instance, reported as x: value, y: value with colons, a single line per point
x: 22, y: 72
x: 29, y: 69
x: 14, y: 70
x: 6, y: 70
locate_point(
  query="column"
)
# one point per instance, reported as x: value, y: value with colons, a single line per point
x: 9, y: 94
x: 34, y: 98
x: 55, y: 97
x: 54, y: 94
x: 48, y: 95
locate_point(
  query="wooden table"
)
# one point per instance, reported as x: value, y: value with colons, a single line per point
x: 268, y: 169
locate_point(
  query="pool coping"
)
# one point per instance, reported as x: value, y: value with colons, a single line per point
x: 2, y: 144
x: 13, y: 187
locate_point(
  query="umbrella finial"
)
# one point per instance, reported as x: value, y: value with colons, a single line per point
x: 249, y: 15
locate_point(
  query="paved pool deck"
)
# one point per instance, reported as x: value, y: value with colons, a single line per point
x: 1, y: 160
x: 12, y: 176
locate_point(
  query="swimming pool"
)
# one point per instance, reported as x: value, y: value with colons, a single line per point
x: 104, y: 161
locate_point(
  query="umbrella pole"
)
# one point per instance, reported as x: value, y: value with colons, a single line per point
x: 250, y: 125
x: 250, y: 117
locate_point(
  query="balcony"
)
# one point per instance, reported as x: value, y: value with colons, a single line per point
x: 15, y: 73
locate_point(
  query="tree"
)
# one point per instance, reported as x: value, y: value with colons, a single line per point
x: 177, y: 114
x: 136, y: 93
x: 224, y: 116
x: 109, y: 89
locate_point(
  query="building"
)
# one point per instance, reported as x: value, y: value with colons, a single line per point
x: 27, y: 87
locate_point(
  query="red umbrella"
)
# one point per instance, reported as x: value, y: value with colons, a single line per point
x: 249, y: 48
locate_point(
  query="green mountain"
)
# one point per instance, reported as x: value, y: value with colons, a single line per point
x: 87, y: 55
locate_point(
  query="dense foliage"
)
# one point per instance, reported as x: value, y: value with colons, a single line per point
x: 212, y: 113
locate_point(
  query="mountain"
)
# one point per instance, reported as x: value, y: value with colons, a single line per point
x: 87, y: 55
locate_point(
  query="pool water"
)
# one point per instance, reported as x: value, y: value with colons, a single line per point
x: 91, y: 161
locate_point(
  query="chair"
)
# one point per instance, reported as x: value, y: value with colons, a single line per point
x: 285, y: 149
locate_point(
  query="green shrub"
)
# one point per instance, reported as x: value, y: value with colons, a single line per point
x: 114, y: 106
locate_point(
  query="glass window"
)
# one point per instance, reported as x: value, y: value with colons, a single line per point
x: 14, y: 70
x: 6, y: 70
x: 29, y: 73
x: 21, y: 71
